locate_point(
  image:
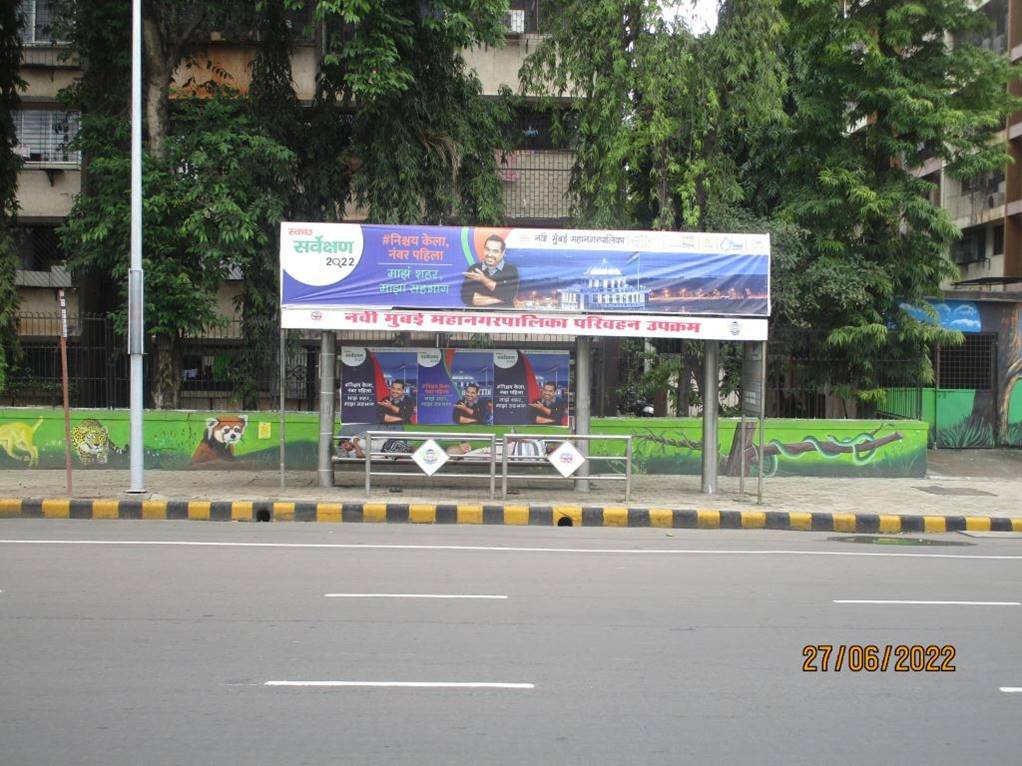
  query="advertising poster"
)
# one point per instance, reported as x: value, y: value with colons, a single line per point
x: 453, y: 387
x: 575, y: 272
x: 379, y: 388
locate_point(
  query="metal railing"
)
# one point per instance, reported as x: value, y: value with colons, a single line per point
x: 374, y: 438
x: 508, y: 459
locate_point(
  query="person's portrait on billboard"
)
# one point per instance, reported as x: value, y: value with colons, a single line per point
x: 494, y: 282
x: 470, y: 409
x: 397, y: 407
x: 549, y: 408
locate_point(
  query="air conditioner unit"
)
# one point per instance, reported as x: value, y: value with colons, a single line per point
x: 514, y: 22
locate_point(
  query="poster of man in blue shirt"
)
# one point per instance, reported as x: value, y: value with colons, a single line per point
x: 492, y: 283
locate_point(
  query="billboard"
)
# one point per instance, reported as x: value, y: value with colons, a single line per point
x: 330, y: 271
x: 386, y: 386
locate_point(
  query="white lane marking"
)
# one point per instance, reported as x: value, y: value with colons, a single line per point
x: 1012, y: 689
x: 410, y: 595
x: 927, y: 603
x: 518, y: 549
x: 404, y: 684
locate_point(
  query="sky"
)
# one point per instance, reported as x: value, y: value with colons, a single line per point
x: 700, y: 14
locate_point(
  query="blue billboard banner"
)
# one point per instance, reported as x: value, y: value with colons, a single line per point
x: 578, y: 272
x: 431, y: 386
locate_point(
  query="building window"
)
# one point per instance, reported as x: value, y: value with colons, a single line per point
x: 38, y: 247
x: 971, y: 247
x: 999, y: 239
x: 38, y: 26
x: 44, y: 135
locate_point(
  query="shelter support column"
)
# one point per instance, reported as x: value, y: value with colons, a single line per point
x: 711, y: 380
x: 583, y: 386
x: 327, y: 389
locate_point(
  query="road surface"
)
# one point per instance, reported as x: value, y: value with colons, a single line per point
x: 202, y: 643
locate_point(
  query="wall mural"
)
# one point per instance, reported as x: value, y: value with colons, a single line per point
x: 34, y: 438
x: 968, y: 418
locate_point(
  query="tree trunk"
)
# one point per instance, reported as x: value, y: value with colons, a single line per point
x: 1009, y: 362
x: 166, y: 371
x: 160, y: 60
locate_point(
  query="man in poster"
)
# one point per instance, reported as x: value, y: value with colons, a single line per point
x: 470, y: 409
x: 549, y: 407
x: 396, y: 408
x: 492, y: 283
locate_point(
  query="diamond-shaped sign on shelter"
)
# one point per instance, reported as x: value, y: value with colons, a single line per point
x: 566, y: 459
x: 430, y: 457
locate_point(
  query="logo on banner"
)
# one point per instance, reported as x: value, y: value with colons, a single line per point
x: 505, y: 360
x: 315, y: 316
x: 353, y: 356
x: 323, y: 254
x: 430, y: 457
x: 735, y: 328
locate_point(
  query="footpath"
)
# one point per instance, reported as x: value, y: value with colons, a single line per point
x: 972, y: 490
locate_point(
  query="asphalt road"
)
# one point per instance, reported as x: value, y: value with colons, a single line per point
x: 628, y: 646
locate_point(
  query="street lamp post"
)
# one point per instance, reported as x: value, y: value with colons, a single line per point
x: 136, y: 326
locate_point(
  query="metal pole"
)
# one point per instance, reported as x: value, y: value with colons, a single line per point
x: 503, y: 468
x: 136, y: 278
x: 493, y: 465
x: 367, y: 450
x: 583, y: 379
x: 762, y: 424
x: 710, y: 396
x: 283, y: 381
x: 327, y: 364
x: 64, y: 385
x: 628, y: 470
x: 741, y: 449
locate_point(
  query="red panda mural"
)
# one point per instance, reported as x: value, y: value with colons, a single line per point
x: 222, y: 433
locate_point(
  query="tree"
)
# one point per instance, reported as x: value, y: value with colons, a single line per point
x: 424, y: 141
x: 657, y: 114
x: 211, y: 177
x: 11, y: 21
x: 879, y: 87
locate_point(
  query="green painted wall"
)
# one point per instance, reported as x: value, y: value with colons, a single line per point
x: 1014, y: 435
x: 948, y: 412
x: 33, y: 437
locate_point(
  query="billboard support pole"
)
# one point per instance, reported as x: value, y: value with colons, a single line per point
x: 710, y: 397
x: 583, y: 381
x: 280, y: 432
x: 327, y: 365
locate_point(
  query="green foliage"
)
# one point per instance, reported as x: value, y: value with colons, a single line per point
x: 208, y: 207
x: 424, y: 143
x: 661, y: 117
x: 876, y: 89
x: 10, y: 58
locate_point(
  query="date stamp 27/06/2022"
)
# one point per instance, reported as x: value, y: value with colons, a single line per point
x: 873, y: 658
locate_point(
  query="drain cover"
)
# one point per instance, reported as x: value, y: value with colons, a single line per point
x: 874, y: 540
x: 963, y: 491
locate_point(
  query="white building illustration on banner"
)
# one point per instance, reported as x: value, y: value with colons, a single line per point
x: 604, y: 287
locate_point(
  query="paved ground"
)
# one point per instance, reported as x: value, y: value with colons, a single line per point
x: 634, y: 646
x: 961, y: 482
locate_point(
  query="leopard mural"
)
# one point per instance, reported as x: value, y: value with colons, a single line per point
x: 91, y: 444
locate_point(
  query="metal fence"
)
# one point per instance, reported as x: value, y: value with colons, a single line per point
x: 98, y: 367
x: 806, y: 378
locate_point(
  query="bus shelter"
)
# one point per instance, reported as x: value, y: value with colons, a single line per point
x: 522, y: 282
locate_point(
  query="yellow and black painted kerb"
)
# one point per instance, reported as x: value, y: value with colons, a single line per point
x: 504, y: 514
